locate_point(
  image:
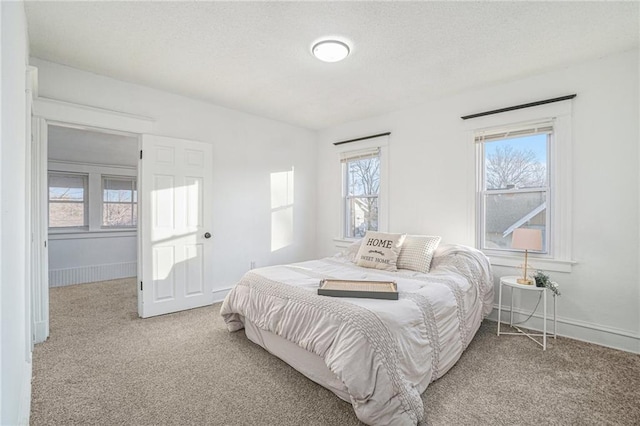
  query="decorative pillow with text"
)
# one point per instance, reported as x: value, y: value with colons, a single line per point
x: 380, y: 250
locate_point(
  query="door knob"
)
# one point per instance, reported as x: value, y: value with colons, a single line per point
x: 207, y: 235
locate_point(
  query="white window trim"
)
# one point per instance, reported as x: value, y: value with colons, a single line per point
x: 560, y: 257
x: 482, y: 193
x: 82, y: 234
x: 382, y: 143
x: 342, y: 243
x: 347, y: 158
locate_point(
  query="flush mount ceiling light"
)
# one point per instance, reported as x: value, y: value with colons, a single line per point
x: 330, y: 50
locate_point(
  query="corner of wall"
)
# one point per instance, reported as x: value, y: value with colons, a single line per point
x: 24, y: 410
x: 15, y: 343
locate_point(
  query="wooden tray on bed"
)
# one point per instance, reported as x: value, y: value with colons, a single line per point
x: 354, y: 288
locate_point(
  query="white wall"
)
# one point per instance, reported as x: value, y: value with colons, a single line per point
x: 15, y: 355
x: 431, y: 171
x: 247, y: 150
x: 75, y: 252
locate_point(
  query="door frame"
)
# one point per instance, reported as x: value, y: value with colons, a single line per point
x: 46, y: 111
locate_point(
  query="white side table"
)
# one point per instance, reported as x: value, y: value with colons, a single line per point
x: 513, y: 283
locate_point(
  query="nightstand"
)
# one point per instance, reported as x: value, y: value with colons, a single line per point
x: 513, y: 283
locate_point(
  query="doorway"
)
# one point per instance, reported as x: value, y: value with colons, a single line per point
x: 78, y: 153
x: 171, y: 199
x: 92, y: 206
x: 47, y: 113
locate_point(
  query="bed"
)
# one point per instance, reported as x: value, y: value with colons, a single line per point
x: 378, y: 355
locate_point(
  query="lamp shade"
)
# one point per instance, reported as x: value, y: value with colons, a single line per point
x: 527, y: 239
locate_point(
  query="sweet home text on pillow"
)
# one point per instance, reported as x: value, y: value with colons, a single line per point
x: 375, y: 242
x: 379, y: 250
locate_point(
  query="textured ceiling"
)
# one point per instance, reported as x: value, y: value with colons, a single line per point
x: 255, y: 56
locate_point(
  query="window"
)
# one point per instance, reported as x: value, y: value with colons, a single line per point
x: 514, y: 184
x: 84, y: 199
x: 361, y: 180
x: 119, y: 202
x: 67, y: 200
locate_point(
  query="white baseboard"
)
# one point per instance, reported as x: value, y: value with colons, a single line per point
x: 24, y: 411
x: 574, y: 329
x: 220, y: 294
x: 92, y: 273
x: 41, y: 331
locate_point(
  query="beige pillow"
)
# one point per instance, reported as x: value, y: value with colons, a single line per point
x: 417, y: 252
x: 379, y: 250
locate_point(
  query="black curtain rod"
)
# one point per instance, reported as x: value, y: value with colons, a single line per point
x: 363, y: 138
x: 531, y: 104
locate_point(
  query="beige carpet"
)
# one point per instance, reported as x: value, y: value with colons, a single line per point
x: 103, y: 365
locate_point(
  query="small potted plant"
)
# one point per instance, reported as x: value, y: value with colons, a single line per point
x: 543, y: 280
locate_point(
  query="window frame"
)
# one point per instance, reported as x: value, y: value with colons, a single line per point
x: 85, y: 200
x: 134, y: 202
x: 347, y: 198
x: 94, y: 194
x: 560, y: 237
x: 382, y: 144
x: 483, y: 192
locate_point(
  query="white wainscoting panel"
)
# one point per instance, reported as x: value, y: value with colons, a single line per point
x: 89, y: 274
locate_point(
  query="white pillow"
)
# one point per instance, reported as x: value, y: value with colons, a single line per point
x: 380, y: 250
x: 417, y: 252
x: 351, y: 251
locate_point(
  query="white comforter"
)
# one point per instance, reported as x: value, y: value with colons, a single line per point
x: 385, y: 352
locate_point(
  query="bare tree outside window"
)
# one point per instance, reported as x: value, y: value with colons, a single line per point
x: 119, y: 204
x: 363, y: 187
x: 67, y: 200
x: 509, y: 167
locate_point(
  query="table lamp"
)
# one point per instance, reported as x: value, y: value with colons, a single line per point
x: 526, y: 239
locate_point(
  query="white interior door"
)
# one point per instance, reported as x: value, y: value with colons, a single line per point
x: 176, y: 218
